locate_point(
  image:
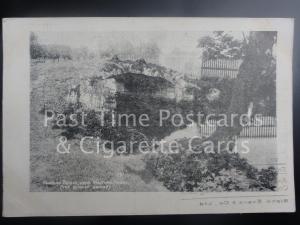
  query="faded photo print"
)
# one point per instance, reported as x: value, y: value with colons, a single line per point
x: 153, y: 111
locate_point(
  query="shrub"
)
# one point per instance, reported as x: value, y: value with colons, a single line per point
x: 184, y: 171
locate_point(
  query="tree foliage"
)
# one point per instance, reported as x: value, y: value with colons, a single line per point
x: 221, y: 45
x: 50, y: 51
x: 127, y: 50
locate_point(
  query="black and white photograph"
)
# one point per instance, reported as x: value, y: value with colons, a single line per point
x: 153, y: 111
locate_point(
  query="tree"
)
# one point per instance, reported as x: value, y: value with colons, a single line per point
x: 221, y: 45
x: 256, y: 72
x: 150, y: 51
x: 222, y: 170
x: 36, y: 50
x: 33, y: 38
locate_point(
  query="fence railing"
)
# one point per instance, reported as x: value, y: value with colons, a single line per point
x: 223, y: 68
x: 265, y: 129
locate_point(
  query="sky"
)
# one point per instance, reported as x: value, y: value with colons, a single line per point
x: 187, y: 55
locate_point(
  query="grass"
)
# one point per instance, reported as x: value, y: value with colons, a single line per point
x: 77, y: 171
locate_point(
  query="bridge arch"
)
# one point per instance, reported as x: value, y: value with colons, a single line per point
x: 129, y: 76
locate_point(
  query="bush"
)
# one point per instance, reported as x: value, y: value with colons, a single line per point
x: 184, y: 171
x: 126, y: 104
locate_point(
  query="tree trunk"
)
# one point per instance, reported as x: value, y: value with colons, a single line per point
x: 257, y: 62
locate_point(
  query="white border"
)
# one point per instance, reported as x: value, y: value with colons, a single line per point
x: 18, y: 201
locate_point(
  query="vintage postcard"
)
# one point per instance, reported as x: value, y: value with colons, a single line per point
x: 133, y: 116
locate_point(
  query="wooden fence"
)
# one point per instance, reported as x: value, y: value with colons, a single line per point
x: 221, y: 68
x: 266, y: 129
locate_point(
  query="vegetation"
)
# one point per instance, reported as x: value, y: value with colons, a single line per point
x: 178, y: 172
x: 219, y: 172
x: 131, y: 104
x: 184, y: 171
x: 221, y: 45
x: 148, y: 51
x: 56, y: 52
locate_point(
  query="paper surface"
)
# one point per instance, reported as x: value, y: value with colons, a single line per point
x: 133, y: 116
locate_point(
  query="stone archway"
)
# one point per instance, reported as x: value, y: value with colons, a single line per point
x: 96, y: 93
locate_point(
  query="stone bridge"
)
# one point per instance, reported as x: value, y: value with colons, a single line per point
x: 115, y: 66
x: 117, y: 75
